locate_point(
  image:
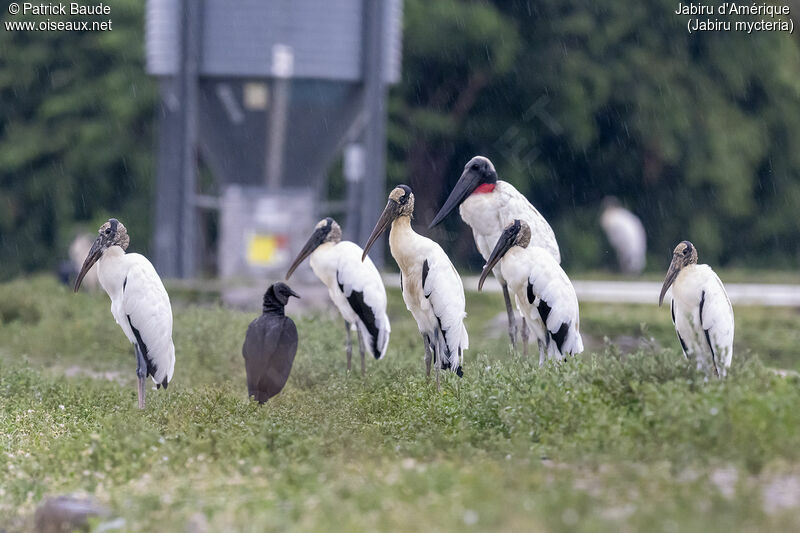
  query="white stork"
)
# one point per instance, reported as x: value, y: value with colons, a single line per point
x: 488, y: 205
x: 626, y: 234
x: 139, y: 303
x: 544, y: 294
x: 432, y: 289
x: 701, y: 311
x: 355, y: 287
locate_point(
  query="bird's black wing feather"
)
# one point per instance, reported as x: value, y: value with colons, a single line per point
x: 269, y: 349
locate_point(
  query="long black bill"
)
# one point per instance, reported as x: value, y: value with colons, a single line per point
x: 308, y: 248
x: 387, y: 217
x: 94, y: 254
x: 672, y: 273
x: 465, y: 186
x: 504, y: 244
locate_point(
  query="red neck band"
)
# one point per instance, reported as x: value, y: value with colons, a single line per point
x: 484, y: 188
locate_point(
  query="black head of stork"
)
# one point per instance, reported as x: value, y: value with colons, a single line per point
x: 685, y: 254
x: 112, y: 233
x: 518, y: 233
x: 326, y: 230
x: 478, y: 172
x: 400, y: 204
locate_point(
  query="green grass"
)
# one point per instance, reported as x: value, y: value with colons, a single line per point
x: 610, y: 441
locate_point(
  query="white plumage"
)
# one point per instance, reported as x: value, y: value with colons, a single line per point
x: 139, y: 303
x: 355, y: 287
x: 626, y: 235
x: 701, y: 312
x: 488, y: 206
x: 340, y: 268
x: 489, y: 213
x: 432, y: 289
x: 543, y: 293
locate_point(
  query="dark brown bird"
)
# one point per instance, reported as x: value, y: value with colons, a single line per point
x: 270, y: 345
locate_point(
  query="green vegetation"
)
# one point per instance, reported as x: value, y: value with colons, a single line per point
x: 610, y: 441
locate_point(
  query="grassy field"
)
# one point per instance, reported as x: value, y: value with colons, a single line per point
x: 623, y: 438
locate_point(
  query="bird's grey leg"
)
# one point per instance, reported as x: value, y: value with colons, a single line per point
x: 512, y: 321
x: 427, y: 343
x: 348, y: 346
x: 437, y: 363
x: 361, y: 349
x: 524, y: 337
x: 542, y: 354
x: 141, y: 373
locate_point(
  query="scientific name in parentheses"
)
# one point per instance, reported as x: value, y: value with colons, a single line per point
x: 58, y: 8
x: 732, y: 8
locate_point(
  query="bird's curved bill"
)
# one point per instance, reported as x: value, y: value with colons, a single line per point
x: 94, y: 254
x: 308, y: 248
x: 390, y: 213
x: 292, y: 293
x: 504, y: 244
x: 465, y: 186
x: 672, y: 273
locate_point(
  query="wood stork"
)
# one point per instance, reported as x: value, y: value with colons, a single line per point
x: 355, y: 287
x: 543, y: 292
x: 270, y: 345
x: 432, y: 289
x: 139, y: 303
x: 626, y: 235
x: 488, y: 205
x: 701, y: 311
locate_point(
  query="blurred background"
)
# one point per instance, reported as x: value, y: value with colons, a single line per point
x: 220, y: 132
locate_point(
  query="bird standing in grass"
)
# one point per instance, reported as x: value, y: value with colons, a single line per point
x: 139, y: 303
x: 488, y: 205
x: 701, y: 311
x: 270, y: 345
x: 431, y: 287
x: 355, y: 287
x: 543, y: 292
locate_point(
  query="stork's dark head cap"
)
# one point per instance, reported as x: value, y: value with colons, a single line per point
x: 403, y: 196
x: 482, y: 168
x: 478, y: 172
x: 685, y: 254
x: 112, y: 233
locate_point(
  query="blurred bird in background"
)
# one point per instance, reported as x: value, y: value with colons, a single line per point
x: 626, y: 234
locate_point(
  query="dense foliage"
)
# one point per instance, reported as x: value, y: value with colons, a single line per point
x: 572, y: 100
x: 76, y: 135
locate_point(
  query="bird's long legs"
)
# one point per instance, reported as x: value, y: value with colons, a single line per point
x: 427, y: 342
x: 524, y: 337
x: 141, y: 373
x: 361, y: 349
x: 512, y: 321
x: 348, y: 346
x: 542, y: 355
x: 437, y: 358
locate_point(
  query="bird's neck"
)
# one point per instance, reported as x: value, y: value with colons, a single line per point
x: 273, y: 307
x: 404, y: 243
x: 112, y: 270
x: 484, y: 188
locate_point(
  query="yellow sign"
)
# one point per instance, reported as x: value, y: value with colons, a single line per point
x: 261, y: 249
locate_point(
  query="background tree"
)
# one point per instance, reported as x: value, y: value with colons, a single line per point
x: 76, y: 136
